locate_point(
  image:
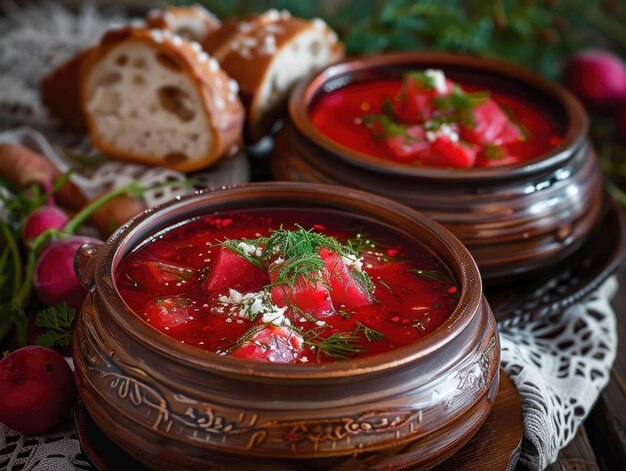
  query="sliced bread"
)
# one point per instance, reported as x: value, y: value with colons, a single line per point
x: 267, y: 54
x: 152, y: 97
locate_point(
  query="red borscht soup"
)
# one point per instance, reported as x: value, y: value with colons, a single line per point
x: 426, y: 119
x: 288, y: 286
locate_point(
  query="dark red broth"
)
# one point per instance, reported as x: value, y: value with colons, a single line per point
x: 339, y: 114
x: 413, y: 291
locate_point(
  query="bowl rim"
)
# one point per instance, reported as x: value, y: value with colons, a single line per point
x: 575, y: 130
x: 109, y: 256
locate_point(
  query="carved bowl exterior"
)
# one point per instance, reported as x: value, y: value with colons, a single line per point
x: 176, y: 407
x: 514, y: 219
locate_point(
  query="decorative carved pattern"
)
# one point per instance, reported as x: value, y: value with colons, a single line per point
x: 199, y: 422
x: 475, y: 374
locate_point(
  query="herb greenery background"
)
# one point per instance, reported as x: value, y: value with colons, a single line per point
x: 537, y: 34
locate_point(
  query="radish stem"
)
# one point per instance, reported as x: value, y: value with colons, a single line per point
x: 15, y: 255
x: 88, y: 210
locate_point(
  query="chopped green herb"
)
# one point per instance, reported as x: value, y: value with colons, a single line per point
x: 424, y: 81
x: 130, y: 282
x: 338, y: 346
x: 298, y: 252
x: 430, y: 275
x: 494, y: 152
x: 344, y: 314
x: 246, y: 337
x: 370, y: 334
x: 385, y: 284
x: 180, y: 273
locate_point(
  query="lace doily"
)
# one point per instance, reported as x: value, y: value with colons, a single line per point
x: 57, y: 451
x: 34, y: 39
x: 559, y: 365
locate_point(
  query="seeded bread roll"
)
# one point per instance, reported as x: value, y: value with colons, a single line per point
x: 60, y: 94
x: 152, y: 97
x: 267, y: 54
x: 193, y: 22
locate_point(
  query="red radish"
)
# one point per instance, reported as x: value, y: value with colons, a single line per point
x: 230, y: 270
x: 307, y: 294
x: 273, y: 344
x: 597, y: 77
x: 166, y: 313
x: 54, y: 279
x: 345, y: 289
x: 36, y: 389
x: 41, y: 219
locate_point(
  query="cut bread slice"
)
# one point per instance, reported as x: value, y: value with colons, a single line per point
x: 60, y: 94
x: 267, y: 54
x: 152, y: 97
x: 191, y: 22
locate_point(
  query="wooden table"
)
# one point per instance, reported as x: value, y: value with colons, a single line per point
x: 601, y: 443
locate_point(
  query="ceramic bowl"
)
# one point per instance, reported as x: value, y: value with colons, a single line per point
x: 176, y: 407
x: 514, y: 219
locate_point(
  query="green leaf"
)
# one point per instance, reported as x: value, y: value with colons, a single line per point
x: 56, y: 317
x: 58, y: 320
x: 52, y: 339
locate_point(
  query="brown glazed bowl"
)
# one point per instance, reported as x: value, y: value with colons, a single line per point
x: 176, y: 407
x: 513, y: 219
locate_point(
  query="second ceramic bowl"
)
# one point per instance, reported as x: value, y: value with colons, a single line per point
x: 514, y: 219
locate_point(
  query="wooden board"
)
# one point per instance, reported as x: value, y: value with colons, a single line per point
x: 497, y: 444
x: 495, y: 447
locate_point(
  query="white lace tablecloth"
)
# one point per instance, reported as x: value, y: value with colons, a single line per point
x: 559, y: 364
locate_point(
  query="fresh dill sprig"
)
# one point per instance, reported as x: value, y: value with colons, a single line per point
x: 303, y: 313
x: 178, y: 272
x: 371, y: 335
x: 364, y: 279
x: 430, y: 275
x: 130, y: 282
x: 245, y: 337
x: 298, y: 255
x: 385, y: 284
x: 337, y: 346
x: 343, y: 313
x: 361, y: 242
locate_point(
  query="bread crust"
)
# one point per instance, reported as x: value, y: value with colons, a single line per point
x: 244, y: 49
x: 175, y: 18
x: 218, y: 92
x: 60, y: 94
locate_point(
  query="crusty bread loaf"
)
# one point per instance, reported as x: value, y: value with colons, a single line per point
x: 60, y: 94
x: 192, y: 22
x: 152, y: 97
x: 267, y: 54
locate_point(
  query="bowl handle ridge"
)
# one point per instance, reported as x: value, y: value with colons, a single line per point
x: 84, y: 266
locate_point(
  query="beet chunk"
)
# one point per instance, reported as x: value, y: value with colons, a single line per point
x: 232, y: 271
x: 307, y: 294
x: 345, y: 289
x: 273, y: 344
